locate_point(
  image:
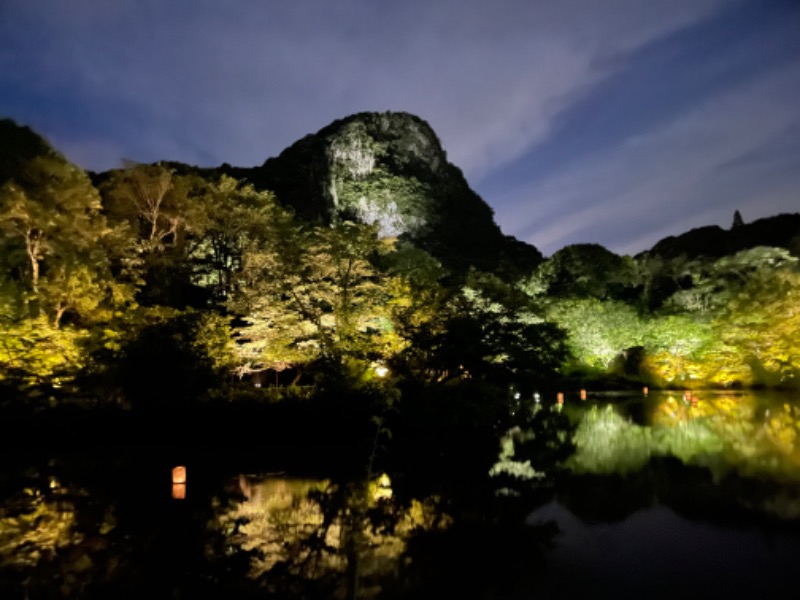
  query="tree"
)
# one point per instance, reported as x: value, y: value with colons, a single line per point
x: 760, y: 328
x: 486, y: 330
x: 580, y: 270
x: 313, y: 293
x: 53, y: 233
x: 597, y: 331
x: 176, y: 357
x: 58, y: 287
x: 152, y: 205
x: 230, y: 217
x: 150, y: 197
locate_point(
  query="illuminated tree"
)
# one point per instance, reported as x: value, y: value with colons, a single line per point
x: 152, y: 205
x: 53, y: 233
x: 57, y: 283
x: 486, y: 330
x: 228, y: 218
x: 309, y: 293
x: 760, y: 327
x: 598, y: 331
x: 152, y: 198
x: 677, y: 348
x: 580, y: 270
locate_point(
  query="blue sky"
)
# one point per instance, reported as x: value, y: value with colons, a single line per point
x: 616, y: 122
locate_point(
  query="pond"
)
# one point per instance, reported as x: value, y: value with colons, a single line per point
x: 664, y: 496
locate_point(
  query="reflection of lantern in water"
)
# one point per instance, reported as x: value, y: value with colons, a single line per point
x: 560, y: 397
x: 583, y: 394
x: 179, y: 483
x: 694, y: 401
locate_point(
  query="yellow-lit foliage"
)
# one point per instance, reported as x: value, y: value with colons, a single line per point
x: 35, y: 351
x: 37, y: 532
x: 761, y: 328
x: 308, y: 526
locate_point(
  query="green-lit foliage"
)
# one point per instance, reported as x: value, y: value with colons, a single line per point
x: 598, y: 331
x: 177, y: 237
x: 489, y: 330
x: 152, y: 205
x: 720, y: 432
x: 153, y: 201
x: 229, y: 218
x: 581, y: 270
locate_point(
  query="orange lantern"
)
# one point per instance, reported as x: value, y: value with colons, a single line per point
x: 645, y: 390
x: 694, y: 401
x: 179, y: 483
x: 179, y: 475
x: 583, y: 394
x: 560, y: 397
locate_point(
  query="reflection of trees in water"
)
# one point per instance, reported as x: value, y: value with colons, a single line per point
x: 46, y: 544
x: 344, y: 539
x: 107, y: 530
x: 107, y: 527
x: 733, y: 436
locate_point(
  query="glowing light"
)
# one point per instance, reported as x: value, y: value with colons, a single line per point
x: 381, y: 370
x: 179, y: 483
x: 382, y: 488
x: 583, y: 394
x: 560, y: 397
x: 179, y: 474
x: 645, y: 390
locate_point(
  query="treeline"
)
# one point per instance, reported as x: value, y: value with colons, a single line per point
x: 163, y: 283
x: 676, y: 322
x: 154, y: 283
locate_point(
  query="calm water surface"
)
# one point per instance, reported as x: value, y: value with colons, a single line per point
x: 665, y: 496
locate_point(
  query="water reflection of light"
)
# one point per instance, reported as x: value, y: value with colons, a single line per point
x: 753, y: 434
x: 308, y: 527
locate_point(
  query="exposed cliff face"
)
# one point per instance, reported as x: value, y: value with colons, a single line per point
x: 389, y: 169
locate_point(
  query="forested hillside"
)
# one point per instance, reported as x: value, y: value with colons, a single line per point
x: 358, y: 253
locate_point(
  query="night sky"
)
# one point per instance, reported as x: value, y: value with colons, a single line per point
x: 617, y: 122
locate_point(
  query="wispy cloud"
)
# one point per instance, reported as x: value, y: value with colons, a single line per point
x: 615, y: 122
x: 692, y: 171
x: 238, y: 81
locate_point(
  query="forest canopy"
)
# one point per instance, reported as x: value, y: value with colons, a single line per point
x: 209, y: 278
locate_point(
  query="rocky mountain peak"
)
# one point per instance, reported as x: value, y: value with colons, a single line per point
x: 388, y: 169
